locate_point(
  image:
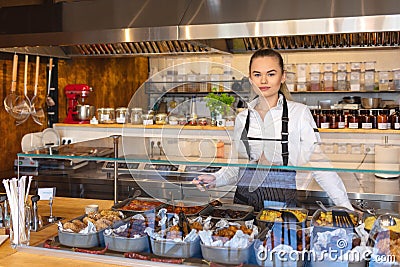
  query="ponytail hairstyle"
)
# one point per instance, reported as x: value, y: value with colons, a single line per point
x: 267, y: 52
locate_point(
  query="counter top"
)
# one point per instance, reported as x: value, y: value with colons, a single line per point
x: 67, y: 208
x: 198, y: 127
x: 154, y: 126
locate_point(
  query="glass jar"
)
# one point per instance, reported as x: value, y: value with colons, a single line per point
x: 383, y: 80
x: 365, y: 119
x: 324, y: 119
x: 369, y: 80
x: 355, y: 80
x: 173, y: 120
x: 333, y: 120
x: 148, y: 119
x: 396, y: 79
x: 342, y: 80
x: 136, y: 116
x: 382, y: 120
x: 230, y: 121
x: 182, y: 120
x: 161, y: 119
x: 121, y: 115
x: 328, y: 81
x: 395, y: 120
x: 315, y: 82
x: 352, y: 119
x: 106, y: 115
x: 202, y: 121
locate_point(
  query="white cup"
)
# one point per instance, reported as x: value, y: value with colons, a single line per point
x: 91, y: 208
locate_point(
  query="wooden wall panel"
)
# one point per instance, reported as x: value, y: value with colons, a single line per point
x: 114, y: 80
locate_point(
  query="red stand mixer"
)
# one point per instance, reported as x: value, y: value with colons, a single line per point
x: 77, y: 113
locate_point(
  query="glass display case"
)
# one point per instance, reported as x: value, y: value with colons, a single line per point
x: 164, y: 170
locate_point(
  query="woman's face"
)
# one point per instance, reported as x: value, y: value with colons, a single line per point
x: 267, y: 75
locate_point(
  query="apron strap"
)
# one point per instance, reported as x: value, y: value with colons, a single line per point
x: 284, y: 133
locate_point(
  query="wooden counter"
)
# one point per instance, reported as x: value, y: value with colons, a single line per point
x: 67, y: 208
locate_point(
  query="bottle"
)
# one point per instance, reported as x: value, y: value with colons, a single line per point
x: 374, y: 119
x: 352, y: 119
x: 395, y: 120
x: 341, y: 119
x: 333, y: 120
x: 317, y: 117
x: 382, y: 120
x: 324, y: 120
x: 365, y: 120
x: 387, y: 112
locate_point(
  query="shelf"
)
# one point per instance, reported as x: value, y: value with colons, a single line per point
x: 174, y: 154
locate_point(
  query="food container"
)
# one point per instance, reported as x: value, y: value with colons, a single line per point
x: 230, y: 121
x: 396, y: 79
x: 268, y: 259
x: 172, y: 120
x: 121, y: 115
x: 229, y: 212
x: 161, y: 119
x: 370, y: 102
x: 121, y: 243
x: 315, y: 83
x: 202, y: 121
x: 147, y: 119
x: 326, y: 225
x: 227, y: 255
x: 72, y: 239
x: 106, y: 115
x: 136, y: 116
x: 355, y: 66
x: 189, y: 208
x: 182, y: 120
x: 270, y: 215
x: 139, y: 205
x: 127, y: 244
x: 369, y: 80
x: 342, y: 66
x: 301, y: 73
x: 385, y: 239
x: 328, y: 81
x: 315, y: 67
x: 84, y: 112
x: 341, y: 80
x: 169, y: 248
x: 383, y: 80
x: 355, y: 80
x: 91, y: 240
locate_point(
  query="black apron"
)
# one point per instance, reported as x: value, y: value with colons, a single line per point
x: 274, y: 187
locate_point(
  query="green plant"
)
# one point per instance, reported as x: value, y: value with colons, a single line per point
x: 219, y: 103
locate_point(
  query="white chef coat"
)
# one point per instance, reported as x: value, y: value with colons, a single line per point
x: 302, y: 142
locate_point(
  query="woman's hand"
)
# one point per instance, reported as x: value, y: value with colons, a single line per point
x: 204, y: 181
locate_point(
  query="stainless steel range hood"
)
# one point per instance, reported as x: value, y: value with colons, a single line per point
x: 151, y: 27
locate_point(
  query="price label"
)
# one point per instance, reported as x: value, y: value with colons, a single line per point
x: 46, y: 193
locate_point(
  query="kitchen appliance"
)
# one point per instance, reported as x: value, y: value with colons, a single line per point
x: 74, y: 111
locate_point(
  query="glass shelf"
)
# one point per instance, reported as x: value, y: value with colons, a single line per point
x: 136, y: 150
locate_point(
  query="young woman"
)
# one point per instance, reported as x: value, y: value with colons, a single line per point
x: 274, y: 130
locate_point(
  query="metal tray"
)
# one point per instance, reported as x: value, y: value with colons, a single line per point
x: 323, y: 228
x: 127, y: 244
x: 187, y: 203
x: 168, y: 248
x: 248, y: 209
x: 125, y: 202
x: 79, y: 240
x: 268, y: 224
x: 227, y: 255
